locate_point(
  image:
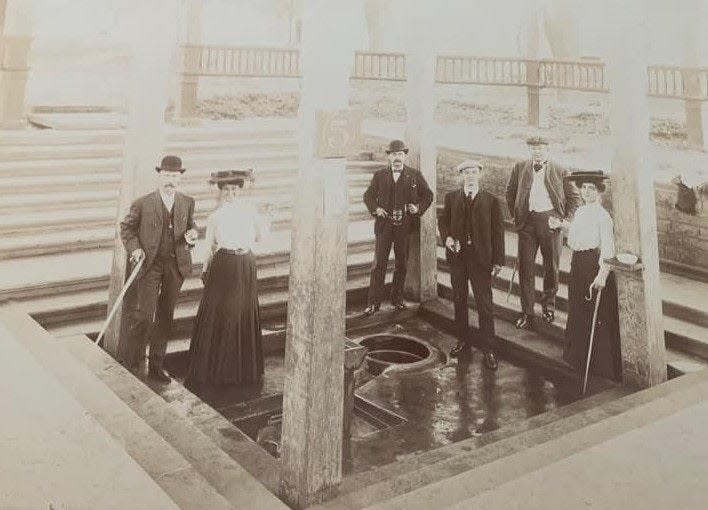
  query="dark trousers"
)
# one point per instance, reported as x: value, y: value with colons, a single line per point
x: 388, y: 236
x: 533, y: 235
x: 153, y: 310
x: 465, y: 268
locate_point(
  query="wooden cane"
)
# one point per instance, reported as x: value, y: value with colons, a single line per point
x: 592, y: 337
x: 119, y: 299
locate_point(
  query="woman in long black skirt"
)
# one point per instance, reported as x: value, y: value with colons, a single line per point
x: 226, y: 345
x: 590, y: 236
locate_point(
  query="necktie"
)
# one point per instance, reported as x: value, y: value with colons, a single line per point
x: 537, y: 166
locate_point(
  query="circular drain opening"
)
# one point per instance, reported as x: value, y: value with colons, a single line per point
x: 393, y: 350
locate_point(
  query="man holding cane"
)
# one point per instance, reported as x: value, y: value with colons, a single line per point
x: 397, y: 196
x: 160, y: 229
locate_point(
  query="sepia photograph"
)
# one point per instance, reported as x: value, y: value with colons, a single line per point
x: 353, y: 254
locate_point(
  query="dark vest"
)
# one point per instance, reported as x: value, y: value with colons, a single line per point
x: 468, y: 219
x: 166, y: 249
x: 398, y: 194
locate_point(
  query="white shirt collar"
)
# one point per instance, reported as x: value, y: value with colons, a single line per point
x: 472, y: 189
x: 167, y: 198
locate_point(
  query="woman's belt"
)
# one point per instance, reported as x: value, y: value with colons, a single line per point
x: 238, y: 251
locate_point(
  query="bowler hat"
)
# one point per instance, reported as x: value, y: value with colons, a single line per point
x: 395, y: 146
x: 171, y: 164
x: 221, y: 177
x: 469, y: 163
x: 536, y: 140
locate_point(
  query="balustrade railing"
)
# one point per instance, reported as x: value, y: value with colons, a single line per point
x: 481, y: 70
x: 232, y: 61
x: 379, y: 66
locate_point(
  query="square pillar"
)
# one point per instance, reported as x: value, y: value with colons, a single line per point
x: 639, y: 288
x: 15, y: 43
x: 314, y: 395
x: 421, y: 276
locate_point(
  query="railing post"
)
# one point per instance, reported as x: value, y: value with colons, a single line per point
x: 189, y: 84
x: 696, y: 111
x: 533, y: 91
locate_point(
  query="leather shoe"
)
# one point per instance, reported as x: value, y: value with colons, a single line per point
x: 459, y: 349
x: 371, y: 310
x: 158, y: 374
x: 549, y: 315
x: 524, y: 321
x: 490, y: 360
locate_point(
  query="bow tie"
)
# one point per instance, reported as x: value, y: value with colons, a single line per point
x: 537, y: 166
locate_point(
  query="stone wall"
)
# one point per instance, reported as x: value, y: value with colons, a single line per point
x: 683, y: 238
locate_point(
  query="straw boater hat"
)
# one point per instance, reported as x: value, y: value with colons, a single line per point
x: 171, y: 164
x: 222, y: 177
x: 596, y: 177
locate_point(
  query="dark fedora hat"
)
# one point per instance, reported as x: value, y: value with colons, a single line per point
x: 395, y: 146
x: 171, y: 164
x: 221, y: 177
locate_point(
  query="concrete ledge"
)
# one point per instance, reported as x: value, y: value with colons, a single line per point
x: 170, y: 470
x: 229, y: 478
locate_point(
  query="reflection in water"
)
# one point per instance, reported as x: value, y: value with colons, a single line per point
x: 536, y: 400
x: 490, y: 398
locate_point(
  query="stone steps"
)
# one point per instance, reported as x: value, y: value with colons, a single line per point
x: 454, y: 481
x: 65, y: 166
x: 220, y: 469
x: 403, y: 476
x: 188, y: 479
x: 13, y: 153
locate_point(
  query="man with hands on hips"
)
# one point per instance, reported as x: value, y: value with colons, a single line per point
x: 159, y: 229
x: 473, y: 229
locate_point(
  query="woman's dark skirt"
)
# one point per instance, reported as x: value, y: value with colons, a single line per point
x: 226, y: 345
x: 606, y: 358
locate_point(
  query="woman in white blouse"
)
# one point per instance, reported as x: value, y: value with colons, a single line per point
x: 226, y: 345
x: 590, y: 236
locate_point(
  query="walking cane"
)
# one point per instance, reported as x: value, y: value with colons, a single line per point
x: 119, y: 299
x: 511, y: 283
x: 592, y: 337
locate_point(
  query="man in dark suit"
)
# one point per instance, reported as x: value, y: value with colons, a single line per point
x: 472, y: 227
x: 536, y: 192
x: 397, y: 196
x: 159, y: 228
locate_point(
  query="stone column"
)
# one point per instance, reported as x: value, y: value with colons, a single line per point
x: 421, y: 278
x: 314, y: 352
x: 695, y: 54
x: 145, y: 133
x: 191, y: 39
x: 641, y: 319
x: 15, y: 42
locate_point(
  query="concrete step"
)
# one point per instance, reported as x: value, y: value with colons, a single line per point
x: 424, y: 468
x: 219, y: 469
x: 166, y: 466
x: 48, y: 137
x: 679, y: 360
x: 79, y: 167
x: 58, y: 152
x: 58, y: 310
x: 458, y: 482
x: 284, y: 143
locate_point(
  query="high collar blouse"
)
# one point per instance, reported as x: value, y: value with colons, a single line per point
x: 235, y: 225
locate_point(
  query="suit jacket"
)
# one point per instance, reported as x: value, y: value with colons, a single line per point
x: 564, y: 196
x: 487, y: 224
x: 142, y: 228
x: 416, y: 191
